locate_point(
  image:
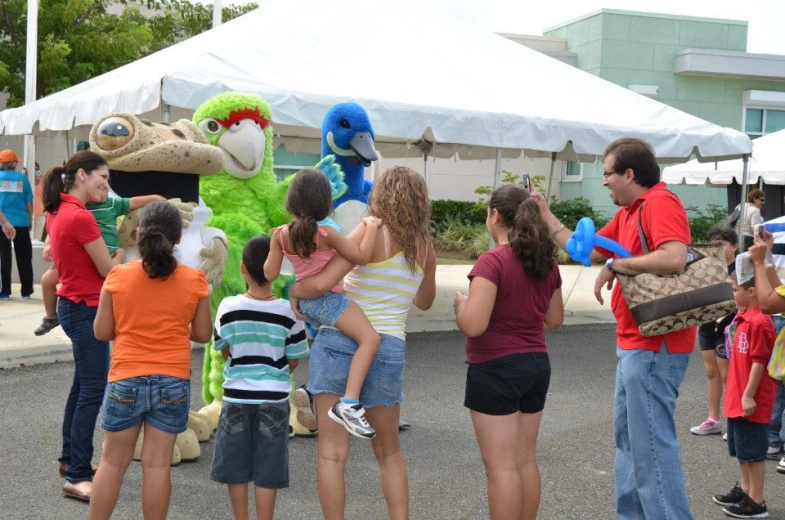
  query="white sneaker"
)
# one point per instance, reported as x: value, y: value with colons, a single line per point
x: 725, y: 437
x: 781, y: 466
x: 353, y: 419
x: 774, y: 452
x: 707, y: 427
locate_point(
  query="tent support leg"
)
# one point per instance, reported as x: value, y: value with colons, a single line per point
x: 745, y: 179
x: 164, y: 112
x: 550, y: 179
x: 497, y: 179
x: 425, y: 167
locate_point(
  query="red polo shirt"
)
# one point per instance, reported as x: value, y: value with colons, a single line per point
x: 70, y: 228
x: 752, y: 343
x: 664, y: 220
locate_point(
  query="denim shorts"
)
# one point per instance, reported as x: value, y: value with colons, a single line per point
x: 331, y: 356
x: 325, y: 309
x: 252, y: 445
x: 160, y: 401
x: 747, y: 441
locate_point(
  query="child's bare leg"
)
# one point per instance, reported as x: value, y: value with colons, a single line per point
x: 756, y: 473
x: 238, y: 498
x: 49, y: 282
x: 744, y: 468
x: 265, y: 503
x: 355, y: 324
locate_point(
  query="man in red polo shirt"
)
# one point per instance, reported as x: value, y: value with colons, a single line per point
x: 649, y: 475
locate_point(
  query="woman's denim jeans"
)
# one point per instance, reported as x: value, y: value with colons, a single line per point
x: 649, y: 474
x: 91, y: 367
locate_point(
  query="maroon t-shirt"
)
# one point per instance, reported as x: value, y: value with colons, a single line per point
x: 521, y: 303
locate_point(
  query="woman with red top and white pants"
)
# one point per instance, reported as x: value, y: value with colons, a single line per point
x: 514, y: 296
x: 82, y: 260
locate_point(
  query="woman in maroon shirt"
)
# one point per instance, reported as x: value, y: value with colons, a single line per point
x: 514, y: 296
x: 82, y: 262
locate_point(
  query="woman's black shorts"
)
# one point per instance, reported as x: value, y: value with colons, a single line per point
x: 510, y: 384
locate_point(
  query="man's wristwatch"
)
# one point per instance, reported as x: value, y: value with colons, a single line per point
x: 609, y: 265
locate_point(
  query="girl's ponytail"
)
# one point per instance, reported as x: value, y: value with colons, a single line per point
x: 529, y: 236
x: 159, y: 229
x: 301, y: 232
x: 531, y: 241
x: 52, y: 187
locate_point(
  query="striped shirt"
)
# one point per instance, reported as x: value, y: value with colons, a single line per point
x: 106, y: 214
x: 384, y: 291
x: 261, y: 336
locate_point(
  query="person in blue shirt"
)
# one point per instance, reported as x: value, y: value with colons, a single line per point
x: 16, y: 204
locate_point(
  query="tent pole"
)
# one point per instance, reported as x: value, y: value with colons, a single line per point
x: 165, y: 112
x: 550, y: 179
x: 497, y: 178
x: 745, y: 178
x: 497, y: 173
x: 425, y: 167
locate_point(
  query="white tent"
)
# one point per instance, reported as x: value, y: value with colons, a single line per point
x: 465, y: 90
x: 767, y: 162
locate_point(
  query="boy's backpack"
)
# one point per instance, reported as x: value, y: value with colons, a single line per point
x: 732, y: 219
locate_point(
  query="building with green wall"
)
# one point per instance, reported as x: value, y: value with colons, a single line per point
x: 698, y: 65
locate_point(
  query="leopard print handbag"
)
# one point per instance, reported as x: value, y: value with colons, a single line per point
x: 701, y: 293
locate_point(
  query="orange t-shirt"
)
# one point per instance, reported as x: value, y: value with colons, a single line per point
x: 151, y: 319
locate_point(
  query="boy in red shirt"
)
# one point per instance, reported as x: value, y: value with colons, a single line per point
x: 749, y: 397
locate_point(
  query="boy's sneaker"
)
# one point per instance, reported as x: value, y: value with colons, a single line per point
x: 47, y: 324
x: 747, y: 508
x: 725, y: 437
x: 781, y: 466
x: 774, y: 452
x: 729, y: 499
x: 707, y: 427
x: 303, y: 405
x: 353, y: 419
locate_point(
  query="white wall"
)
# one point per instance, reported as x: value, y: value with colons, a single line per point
x: 457, y: 180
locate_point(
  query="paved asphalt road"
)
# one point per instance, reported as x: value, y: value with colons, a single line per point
x: 446, y: 476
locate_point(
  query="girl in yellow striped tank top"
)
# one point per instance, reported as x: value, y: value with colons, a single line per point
x: 401, y: 272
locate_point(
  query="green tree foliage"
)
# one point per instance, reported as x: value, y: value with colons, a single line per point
x: 510, y: 178
x: 81, y: 39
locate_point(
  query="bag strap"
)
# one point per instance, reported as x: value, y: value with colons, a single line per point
x: 641, y: 234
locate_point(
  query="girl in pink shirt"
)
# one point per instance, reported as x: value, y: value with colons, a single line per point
x: 309, y: 247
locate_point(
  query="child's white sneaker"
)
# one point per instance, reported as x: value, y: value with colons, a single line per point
x: 352, y: 417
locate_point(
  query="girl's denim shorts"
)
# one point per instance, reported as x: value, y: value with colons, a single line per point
x: 331, y: 356
x: 160, y: 401
x: 324, y: 310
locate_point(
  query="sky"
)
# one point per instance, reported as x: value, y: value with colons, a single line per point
x: 765, y: 33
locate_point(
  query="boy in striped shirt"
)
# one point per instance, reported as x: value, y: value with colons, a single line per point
x: 262, y: 341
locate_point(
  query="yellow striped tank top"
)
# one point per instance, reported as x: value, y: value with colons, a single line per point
x: 384, y: 291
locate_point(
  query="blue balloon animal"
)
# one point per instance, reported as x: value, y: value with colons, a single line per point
x: 775, y: 227
x: 585, y: 238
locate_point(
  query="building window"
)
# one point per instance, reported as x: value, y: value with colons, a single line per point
x: 762, y: 121
x: 571, y: 171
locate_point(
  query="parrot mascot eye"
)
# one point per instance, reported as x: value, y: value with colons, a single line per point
x: 211, y: 126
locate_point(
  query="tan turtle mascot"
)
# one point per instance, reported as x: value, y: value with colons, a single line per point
x: 167, y: 159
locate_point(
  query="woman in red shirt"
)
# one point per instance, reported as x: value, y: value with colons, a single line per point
x: 82, y: 261
x: 514, y: 297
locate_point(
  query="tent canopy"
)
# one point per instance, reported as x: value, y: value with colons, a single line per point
x: 457, y: 87
x: 767, y: 162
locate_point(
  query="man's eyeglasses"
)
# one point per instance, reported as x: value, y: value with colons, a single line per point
x: 608, y: 174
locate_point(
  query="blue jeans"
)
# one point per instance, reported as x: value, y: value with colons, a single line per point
x: 649, y: 474
x: 91, y: 368
x: 777, y: 425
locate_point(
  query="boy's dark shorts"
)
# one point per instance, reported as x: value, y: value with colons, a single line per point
x: 747, y: 440
x: 510, y: 384
x: 252, y: 445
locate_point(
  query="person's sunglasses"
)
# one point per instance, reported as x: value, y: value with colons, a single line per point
x: 608, y: 174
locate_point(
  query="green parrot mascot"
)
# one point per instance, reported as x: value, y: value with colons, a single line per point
x: 247, y: 200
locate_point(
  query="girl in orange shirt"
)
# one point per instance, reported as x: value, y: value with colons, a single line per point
x: 152, y: 308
